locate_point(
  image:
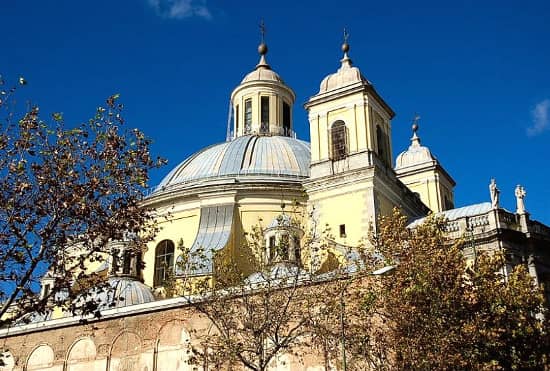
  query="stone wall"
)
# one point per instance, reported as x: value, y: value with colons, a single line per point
x: 158, y: 340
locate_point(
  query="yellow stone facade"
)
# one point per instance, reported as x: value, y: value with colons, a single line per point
x: 351, y: 181
x: 263, y: 171
x: 263, y: 176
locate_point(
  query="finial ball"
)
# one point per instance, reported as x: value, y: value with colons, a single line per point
x: 345, y: 47
x: 415, y: 127
x: 262, y: 49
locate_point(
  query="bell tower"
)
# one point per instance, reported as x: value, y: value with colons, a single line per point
x: 352, y: 181
x: 348, y: 120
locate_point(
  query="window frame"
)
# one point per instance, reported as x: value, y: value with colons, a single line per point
x: 264, y: 113
x: 247, y: 115
x: 339, y: 134
x: 286, y: 119
x: 164, y: 261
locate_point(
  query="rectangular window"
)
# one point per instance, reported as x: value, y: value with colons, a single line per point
x: 284, y: 248
x: 297, y: 253
x: 236, y: 119
x: 265, y: 110
x: 127, y: 259
x: 247, y: 115
x: 342, y: 230
x: 265, y: 114
x: 114, y: 266
x: 286, y: 118
x: 271, y: 247
x: 46, y: 290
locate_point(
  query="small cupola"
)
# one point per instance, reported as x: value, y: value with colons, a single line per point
x: 126, y: 260
x: 424, y: 175
x: 416, y: 154
x: 346, y: 75
x: 282, y: 241
x: 262, y: 103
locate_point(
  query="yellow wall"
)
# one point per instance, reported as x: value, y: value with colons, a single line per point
x: 350, y: 205
x: 359, y: 112
x: 259, y: 212
x: 181, y: 225
x: 431, y: 186
x: 252, y: 210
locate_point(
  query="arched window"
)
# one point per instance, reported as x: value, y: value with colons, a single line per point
x: 339, y: 139
x: 164, y: 261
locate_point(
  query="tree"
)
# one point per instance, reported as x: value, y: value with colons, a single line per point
x: 257, y: 320
x: 258, y: 324
x: 437, y: 310
x: 65, y: 192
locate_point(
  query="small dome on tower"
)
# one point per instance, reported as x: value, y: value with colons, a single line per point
x: 345, y: 76
x: 262, y: 74
x: 263, y: 71
x: 416, y: 154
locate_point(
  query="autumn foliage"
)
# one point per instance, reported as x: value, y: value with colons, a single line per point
x: 65, y: 192
x: 443, y: 311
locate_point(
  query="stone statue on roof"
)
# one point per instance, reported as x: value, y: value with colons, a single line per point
x: 520, y: 199
x: 495, y: 193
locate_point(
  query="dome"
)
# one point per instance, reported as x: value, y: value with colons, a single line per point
x: 281, y: 221
x: 345, y: 76
x: 416, y: 154
x: 123, y: 292
x: 262, y: 73
x: 120, y: 292
x: 278, y: 273
x: 253, y: 156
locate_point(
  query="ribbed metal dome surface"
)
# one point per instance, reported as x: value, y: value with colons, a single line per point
x: 416, y: 154
x: 250, y: 155
x: 262, y: 74
x: 123, y: 292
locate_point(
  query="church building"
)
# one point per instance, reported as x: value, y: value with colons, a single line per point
x: 264, y: 178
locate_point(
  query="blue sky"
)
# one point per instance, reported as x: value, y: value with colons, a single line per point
x: 478, y: 72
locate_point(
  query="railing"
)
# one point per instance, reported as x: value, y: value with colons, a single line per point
x: 264, y: 129
x: 477, y: 221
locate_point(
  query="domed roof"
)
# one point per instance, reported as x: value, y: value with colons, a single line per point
x: 263, y: 73
x: 120, y: 292
x: 416, y: 154
x: 266, y: 157
x: 346, y: 75
x: 282, y: 220
x: 279, y: 273
x: 123, y: 292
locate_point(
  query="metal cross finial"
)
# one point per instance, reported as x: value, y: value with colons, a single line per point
x: 262, y: 30
x: 416, y: 118
x: 346, y: 36
x: 415, y: 138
